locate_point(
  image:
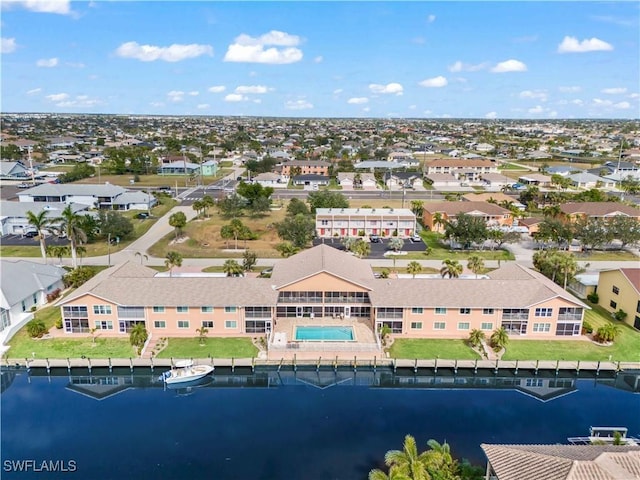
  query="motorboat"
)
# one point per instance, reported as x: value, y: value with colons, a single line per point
x: 605, y: 435
x: 185, y: 371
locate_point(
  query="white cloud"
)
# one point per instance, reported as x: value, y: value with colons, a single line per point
x: 623, y: 22
x: 172, y: 53
x: 34, y: 91
x: 235, y: 97
x: 572, y: 45
x: 8, y: 45
x: 622, y: 105
x: 358, y: 100
x: 431, y: 18
x: 418, y: 40
x: 318, y: 59
x: 157, y: 104
x: 337, y: 91
x: 509, y: 66
x: 57, y: 97
x: 217, y: 89
x: 259, y: 89
x: 81, y: 101
x: 491, y: 115
x: 75, y: 64
x: 536, y: 110
x: 459, y: 66
x: 390, y: 88
x: 434, y: 82
x: 176, y: 95
x: 202, y: 106
x: 61, y: 7
x: 634, y: 95
x: 534, y: 94
x: 614, y: 91
x: 570, y: 89
x: 412, y: 107
x: 298, y: 105
x: 366, y: 109
x: 252, y: 49
x: 193, y: 93
x: 47, y: 62
x: 577, y: 101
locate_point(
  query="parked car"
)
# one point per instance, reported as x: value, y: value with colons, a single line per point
x: 24, y: 185
x: 415, y: 238
x: 266, y: 273
x: 30, y: 234
x: 142, y: 216
x: 375, y: 239
x: 165, y: 189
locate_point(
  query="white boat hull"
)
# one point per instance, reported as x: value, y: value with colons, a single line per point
x: 189, y: 374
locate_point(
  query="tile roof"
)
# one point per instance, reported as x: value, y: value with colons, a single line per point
x: 599, y: 208
x: 564, y: 462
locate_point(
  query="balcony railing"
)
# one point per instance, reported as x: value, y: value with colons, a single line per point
x: 563, y: 317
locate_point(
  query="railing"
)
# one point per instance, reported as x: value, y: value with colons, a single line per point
x: 563, y: 317
x: 515, y: 316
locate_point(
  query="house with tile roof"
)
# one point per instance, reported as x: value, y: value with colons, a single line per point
x: 619, y: 289
x: 562, y: 462
x: 463, y: 169
x: 363, y: 222
x: 604, y: 210
x: 436, y: 214
x: 318, y: 286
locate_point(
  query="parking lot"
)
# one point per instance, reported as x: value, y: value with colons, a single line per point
x: 377, y: 249
x: 19, y: 240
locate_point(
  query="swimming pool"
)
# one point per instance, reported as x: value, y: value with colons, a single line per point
x: 319, y: 333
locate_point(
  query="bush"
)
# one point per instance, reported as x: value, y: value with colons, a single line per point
x: 620, y: 315
x: 59, y: 324
x: 53, y: 295
x: 587, y: 327
x: 593, y: 297
x: 78, y: 276
x: 36, y: 328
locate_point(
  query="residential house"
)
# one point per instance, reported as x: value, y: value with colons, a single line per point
x: 492, y: 214
x: 495, y: 181
x: 96, y: 196
x: 494, y: 197
x: 269, y: 179
x: 24, y: 286
x: 13, y: 171
x: 357, y: 181
x: 13, y: 215
x: 311, y: 181
x: 561, y: 462
x: 442, y: 180
x: 465, y: 170
x: 484, y: 147
x: 580, y: 210
x: 537, y: 179
x: 619, y: 289
x: 303, y: 167
x: 588, y: 180
x: 326, y: 284
x: 179, y: 168
x: 209, y: 168
x: 354, y: 222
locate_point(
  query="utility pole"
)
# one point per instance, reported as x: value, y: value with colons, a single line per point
x: 33, y: 175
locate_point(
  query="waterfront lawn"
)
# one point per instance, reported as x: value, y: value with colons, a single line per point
x: 410, y: 348
x: 214, y: 347
x: 70, y: 348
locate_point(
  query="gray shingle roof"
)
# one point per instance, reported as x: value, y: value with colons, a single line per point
x: 19, y: 280
x: 20, y: 209
x: 564, y: 462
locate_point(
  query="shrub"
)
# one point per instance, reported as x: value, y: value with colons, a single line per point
x: 384, y: 273
x: 36, y: 328
x: 59, y: 323
x: 34, y: 308
x: 587, y: 327
x: 593, y: 297
x: 53, y: 295
x: 78, y: 276
x: 620, y: 315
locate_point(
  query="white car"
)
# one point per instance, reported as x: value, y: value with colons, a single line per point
x: 415, y: 238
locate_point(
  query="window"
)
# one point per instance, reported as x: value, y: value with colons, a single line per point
x: 463, y: 325
x: 207, y: 324
x: 130, y: 312
x: 486, y: 326
x: 324, y: 222
x: 230, y: 323
x: 206, y: 309
x: 615, y: 290
x: 439, y: 325
x: 389, y: 312
x: 544, y: 312
x: 125, y: 326
x: 441, y: 311
x: 534, y: 382
x: 487, y: 311
x: 465, y: 311
x: 638, y: 307
x: 541, y: 327
x: 183, y: 323
x: 568, y: 329
x: 104, y: 325
x: 5, y: 321
x: 230, y: 310
x: 102, y: 309
x: 255, y: 326
x: 24, y: 306
x: 160, y: 324
x: 570, y: 313
x: 515, y: 327
x: 613, y: 304
x: 182, y: 309
x: 158, y: 309
x: 396, y: 327
x: 417, y: 311
x: 416, y: 325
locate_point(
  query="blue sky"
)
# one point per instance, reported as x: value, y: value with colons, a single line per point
x: 323, y: 59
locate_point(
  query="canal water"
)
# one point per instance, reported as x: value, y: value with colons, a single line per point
x: 286, y: 425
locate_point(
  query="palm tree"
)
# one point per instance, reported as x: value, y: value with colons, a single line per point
x: 81, y: 252
x: 40, y: 221
x: 408, y: 461
x: 173, y: 259
x: 138, y: 336
x: 70, y: 225
x: 232, y: 268
x: 361, y: 248
x: 58, y: 251
x: 394, y: 474
x: 608, y: 332
x: 440, y: 460
x: 500, y: 338
x: 475, y: 263
x: 438, y: 220
x: 202, y: 334
x: 396, y: 243
x: 142, y: 256
x: 451, y: 268
x: 476, y: 337
x: 207, y: 202
x: 414, y: 268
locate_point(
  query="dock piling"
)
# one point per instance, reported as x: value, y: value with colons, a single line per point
x: 578, y: 368
x: 455, y: 367
x: 435, y: 365
x: 557, y: 367
x: 374, y: 363
x: 295, y: 363
x: 110, y: 367
x: 335, y: 365
x: 280, y: 364
x: 516, y: 367
x: 395, y: 366
x: 598, y: 368
x: 68, y: 365
x: 48, y: 366
x: 233, y: 364
x: 131, y: 364
x: 475, y: 366
x: 26, y: 362
x: 536, y: 370
x: 151, y: 359
x: 89, y: 365
x: 415, y: 366
x: 318, y: 364
x: 355, y: 364
x: 495, y: 370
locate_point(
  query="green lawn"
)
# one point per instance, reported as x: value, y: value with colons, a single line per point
x: 430, y: 348
x: 214, y: 347
x: 439, y: 251
x: 625, y: 348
